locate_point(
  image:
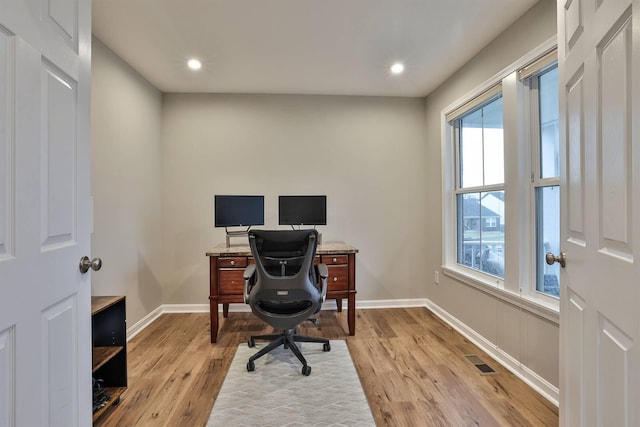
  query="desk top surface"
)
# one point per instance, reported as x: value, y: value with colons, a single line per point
x: 326, y: 248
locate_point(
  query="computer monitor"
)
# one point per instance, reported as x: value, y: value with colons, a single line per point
x: 238, y: 211
x: 302, y: 210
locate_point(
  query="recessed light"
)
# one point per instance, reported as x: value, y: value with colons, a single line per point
x: 397, y: 68
x: 194, y: 64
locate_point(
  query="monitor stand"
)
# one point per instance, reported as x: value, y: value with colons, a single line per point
x: 231, y: 234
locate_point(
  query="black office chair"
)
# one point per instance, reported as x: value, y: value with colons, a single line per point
x: 282, y: 289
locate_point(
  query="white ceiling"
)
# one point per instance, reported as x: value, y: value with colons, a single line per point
x: 332, y: 47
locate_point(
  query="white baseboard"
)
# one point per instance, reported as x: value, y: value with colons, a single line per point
x: 330, y: 304
x: 240, y: 308
x: 542, y: 386
x: 143, y: 323
x: 185, y: 308
x: 392, y: 303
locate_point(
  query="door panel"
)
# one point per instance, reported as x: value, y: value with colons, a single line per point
x: 62, y: 15
x: 574, y: 393
x: 7, y: 379
x: 615, y: 142
x: 59, y: 361
x: 58, y: 172
x: 7, y: 63
x: 573, y: 21
x: 613, y: 371
x: 575, y: 160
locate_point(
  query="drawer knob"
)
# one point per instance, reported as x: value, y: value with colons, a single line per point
x: 335, y: 259
x: 335, y: 279
x: 233, y: 262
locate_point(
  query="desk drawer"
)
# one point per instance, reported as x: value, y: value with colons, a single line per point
x: 230, y: 262
x: 334, y: 259
x: 338, y: 278
x: 231, y: 282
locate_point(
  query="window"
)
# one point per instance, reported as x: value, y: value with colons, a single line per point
x: 502, y: 184
x: 480, y: 187
x: 545, y: 176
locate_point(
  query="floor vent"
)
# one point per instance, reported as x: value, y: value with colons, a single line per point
x: 480, y: 364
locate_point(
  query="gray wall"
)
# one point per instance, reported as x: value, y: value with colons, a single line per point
x: 367, y: 154
x: 126, y: 183
x: 531, y: 340
x: 159, y: 159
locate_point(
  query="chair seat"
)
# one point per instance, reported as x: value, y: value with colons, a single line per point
x: 289, y: 307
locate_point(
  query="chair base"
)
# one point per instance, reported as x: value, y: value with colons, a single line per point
x: 288, y: 338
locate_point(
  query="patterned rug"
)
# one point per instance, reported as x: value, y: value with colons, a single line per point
x: 277, y: 394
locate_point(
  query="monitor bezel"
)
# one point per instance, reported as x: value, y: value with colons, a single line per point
x: 259, y: 204
x: 301, y: 198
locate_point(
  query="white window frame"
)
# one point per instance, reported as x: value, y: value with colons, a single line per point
x: 486, y: 97
x: 532, y: 99
x: 519, y: 274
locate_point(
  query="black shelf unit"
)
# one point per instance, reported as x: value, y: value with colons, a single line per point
x: 109, y: 336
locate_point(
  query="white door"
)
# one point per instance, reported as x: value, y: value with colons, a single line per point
x: 599, y: 62
x: 45, y: 214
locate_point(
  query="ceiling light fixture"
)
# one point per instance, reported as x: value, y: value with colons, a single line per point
x: 194, y: 64
x: 397, y: 68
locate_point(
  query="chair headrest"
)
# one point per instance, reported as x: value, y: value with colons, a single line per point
x: 282, y: 242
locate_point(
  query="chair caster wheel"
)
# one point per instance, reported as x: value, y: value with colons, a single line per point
x: 306, y: 370
x: 326, y: 347
x: 251, y: 343
x: 251, y: 366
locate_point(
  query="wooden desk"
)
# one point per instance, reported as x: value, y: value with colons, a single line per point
x: 226, y: 283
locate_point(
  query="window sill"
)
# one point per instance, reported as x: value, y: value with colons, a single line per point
x: 540, y: 308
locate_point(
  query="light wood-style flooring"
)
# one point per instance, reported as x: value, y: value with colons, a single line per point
x: 410, y: 363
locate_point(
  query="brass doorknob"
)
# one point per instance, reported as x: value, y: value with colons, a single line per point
x: 551, y: 258
x: 93, y: 264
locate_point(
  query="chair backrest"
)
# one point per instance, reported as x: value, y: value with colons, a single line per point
x: 285, y: 285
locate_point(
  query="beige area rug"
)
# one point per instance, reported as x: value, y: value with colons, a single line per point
x: 277, y: 394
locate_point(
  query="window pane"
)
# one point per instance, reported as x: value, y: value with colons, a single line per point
x: 482, y: 146
x: 549, y: 132
x: 469, y: 229
x: 492, y: 240
x: 471, y: 150
x: 493, y: 143
x: 547, y: 238
x: 481, y: 231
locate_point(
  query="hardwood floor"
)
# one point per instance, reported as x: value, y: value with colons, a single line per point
x: 411, y: 366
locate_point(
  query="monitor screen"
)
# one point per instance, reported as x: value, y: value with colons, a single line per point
x: 302, y: 210
x: 238, y: 211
